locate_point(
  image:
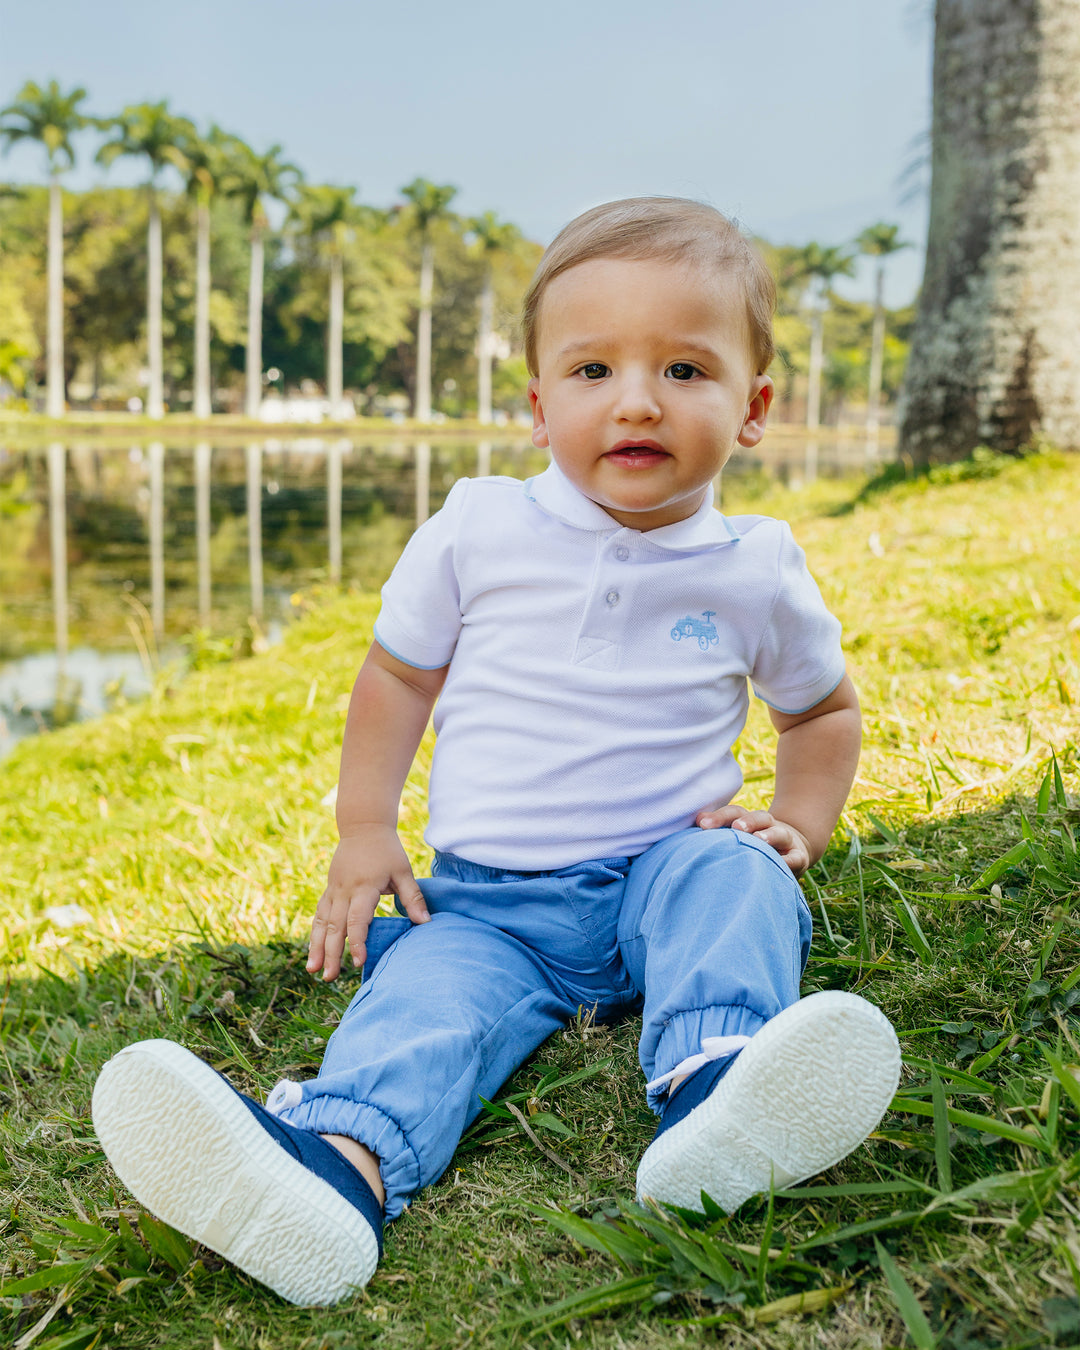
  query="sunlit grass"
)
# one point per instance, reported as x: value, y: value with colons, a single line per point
x: 158, y: 869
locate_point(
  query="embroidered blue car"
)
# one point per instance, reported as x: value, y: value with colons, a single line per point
x: 702, y: 629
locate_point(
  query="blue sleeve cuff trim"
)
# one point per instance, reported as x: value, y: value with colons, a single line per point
x: 416, y: 665
x: 795, y: 712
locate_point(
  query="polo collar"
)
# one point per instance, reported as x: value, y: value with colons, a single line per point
x: 555, y: 495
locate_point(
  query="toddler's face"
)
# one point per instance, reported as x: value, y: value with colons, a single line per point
x: 646, y: 384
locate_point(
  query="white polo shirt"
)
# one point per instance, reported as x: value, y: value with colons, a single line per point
x: 597, y: 674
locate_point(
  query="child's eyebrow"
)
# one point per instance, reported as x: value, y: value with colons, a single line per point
x: 687, y: 346
x: 580, y: 345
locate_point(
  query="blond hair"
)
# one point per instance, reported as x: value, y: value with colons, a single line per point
x: 669, y: 229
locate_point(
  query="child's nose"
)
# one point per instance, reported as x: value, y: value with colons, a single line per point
x: 636, y: 399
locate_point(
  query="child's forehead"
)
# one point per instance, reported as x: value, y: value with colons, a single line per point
x: 645, y: 293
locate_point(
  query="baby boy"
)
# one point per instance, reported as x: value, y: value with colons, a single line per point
x: 585, y: 640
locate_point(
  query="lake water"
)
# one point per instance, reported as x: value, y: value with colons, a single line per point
x: 114, y: 554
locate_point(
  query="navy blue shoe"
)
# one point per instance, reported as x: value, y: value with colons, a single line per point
x: 691, y: 1092
x: 279, y: 1202
x: 806, y: 1090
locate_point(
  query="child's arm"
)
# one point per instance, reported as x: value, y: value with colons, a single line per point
x: 388, y: 714
x: 817, y: 753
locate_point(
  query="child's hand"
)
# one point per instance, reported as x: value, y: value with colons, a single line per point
x: 365, y: 865
x: 786, y: 839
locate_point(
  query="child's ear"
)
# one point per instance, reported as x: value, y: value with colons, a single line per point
x: 757, y: 410
x: 539, y: 431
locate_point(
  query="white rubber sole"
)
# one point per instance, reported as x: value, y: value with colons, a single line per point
x: 193, y: 1154
x: 803, y: 1094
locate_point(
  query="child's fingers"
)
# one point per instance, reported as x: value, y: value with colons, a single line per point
x: 412, y: 898
x: 328, y: 931
x: 720, y: 817
x: 317, y: 941
x: 361, y: 909
x: 790, y: 844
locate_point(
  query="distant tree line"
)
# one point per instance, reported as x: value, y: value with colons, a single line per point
x: 184, y: 291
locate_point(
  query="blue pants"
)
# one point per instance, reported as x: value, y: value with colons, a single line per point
x: 707, y: 933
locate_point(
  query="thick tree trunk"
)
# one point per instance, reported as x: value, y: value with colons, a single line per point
x: 155, y: 399
x: 996, y: 348
x: 484, y: 352
x: 422, y: 401
x: 253, y: 396
x: 335, y: 335
x: 202, y: 404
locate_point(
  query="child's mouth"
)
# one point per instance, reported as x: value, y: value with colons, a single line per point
x: 636, y: 455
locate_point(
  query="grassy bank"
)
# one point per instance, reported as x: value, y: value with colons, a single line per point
x: 157, y: 871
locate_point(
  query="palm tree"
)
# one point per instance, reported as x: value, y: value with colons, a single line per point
x: 254, y: 178
x: 326, y: 213
x: 492, y: 237
x: 429, y: 205
x: 996, y: 347
x: 878, y: 241
x: 819, y: 265
x: 149, y: 131
x: 51, y: 117
x: 205, y: 166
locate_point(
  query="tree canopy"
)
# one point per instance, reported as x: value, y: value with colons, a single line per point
x: 480, y: 264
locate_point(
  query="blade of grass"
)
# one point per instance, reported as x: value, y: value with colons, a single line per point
x: 910, y: 1309
x: 904, y: 1218
x: 960, y: 1077
x: 635, y: 1289
x: 766, y: 1238
x: 793, y: 1305
x: 1068, y: 1082
x: 1017, y: 854
x: 985, y: 1124
x: 942, y: 1156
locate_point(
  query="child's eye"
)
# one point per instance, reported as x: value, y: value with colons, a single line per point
x: 682, y: 370
x: 595, y: 370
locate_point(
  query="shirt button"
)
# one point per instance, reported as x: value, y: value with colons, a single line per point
x: 612, y: 598
x: 622, y: 553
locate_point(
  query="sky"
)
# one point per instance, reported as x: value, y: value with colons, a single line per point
x: 803, y: 120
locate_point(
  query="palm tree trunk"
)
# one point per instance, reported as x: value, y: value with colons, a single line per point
x: 996, y: 347
x: 253, y: 396
x: 335, y: 334
x: 54, y: 386
x: 877, y: 354
x: 813, y: 395
x: 422, y: 401
x: 483, y: 350
x: 155, y: 401
x: 202, y: 406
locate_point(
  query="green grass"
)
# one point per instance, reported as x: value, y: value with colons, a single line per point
x: 157, y: 871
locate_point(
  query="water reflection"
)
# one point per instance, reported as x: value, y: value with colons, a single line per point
x: 41, y: 691
x: 58, y: 548
x: 254, y: 528
x: 202, y: 529
x: 157, y: 539
x: 423, y: 482
x: 333, y: 505
x: 106, y: 545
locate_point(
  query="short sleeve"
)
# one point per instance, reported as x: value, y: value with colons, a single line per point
x: 420, y: 618
x: 799, y: 659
